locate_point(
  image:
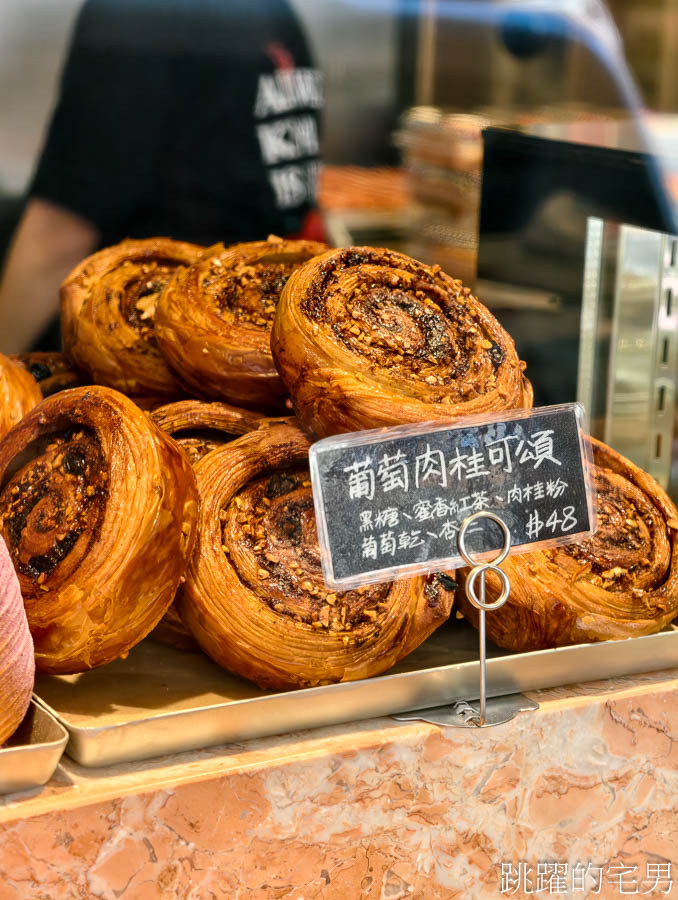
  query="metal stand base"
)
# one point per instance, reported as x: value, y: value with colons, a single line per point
x: 466, y: 714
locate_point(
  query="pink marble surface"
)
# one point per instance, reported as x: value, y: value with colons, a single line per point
x: 377, y: 809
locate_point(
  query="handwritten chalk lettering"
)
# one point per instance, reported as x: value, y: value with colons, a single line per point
x: 479, y: 501
x: 540, y: 449
x: 366, y: 523
x: 464, y: 506
x: 422, y: 510
x: 404, y: 493
x: 475, y: 467
x: 387, y: 543
x: 441, y: 508
x: 537, y: 450
x: 430, y: 465
x: 556, y: 488
x: 499, y: 453
x: 534, y: 525
x: 563, y: 520
x: 409, y: 540
x: 457, y: 465
x: 360, y: 480
x: 449, y: 530
x: 392, y: 472
x: 515, y: 494
x: 369, y: 548
x: 389, y: 518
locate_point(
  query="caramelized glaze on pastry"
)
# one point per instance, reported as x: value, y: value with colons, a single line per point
x: 365, y: 337
x: 254, y: 595
x: 621, y: 582
x: 107, y: 312
x: 214, y: 320
x: 19, y: 393
x: 98, y: 508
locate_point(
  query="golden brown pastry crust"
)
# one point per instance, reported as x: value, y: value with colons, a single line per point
x: 98, y: 508
x: 107, y: 311
x: 254, y: 596
x: 197, y: 427
x: 621, y: 582
x: 365, y: 337
x: 214, y: 320
x: 19, y: 393
x: 51, y: 370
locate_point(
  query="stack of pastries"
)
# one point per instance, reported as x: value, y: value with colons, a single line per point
x: 161, y: 486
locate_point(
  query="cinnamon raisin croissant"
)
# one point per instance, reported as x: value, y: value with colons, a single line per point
x: 51, y: 370
x: 19, y: 393
x: 98, y: 508
x: 254, y: 595
x: 621, y: 582
x: 214, y: 320
x: 197, y: 427
x: 365, y: 337
x: 17, y: 663
x: 107, y: 311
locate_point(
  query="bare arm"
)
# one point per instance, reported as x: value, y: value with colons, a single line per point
x: 48, y: 243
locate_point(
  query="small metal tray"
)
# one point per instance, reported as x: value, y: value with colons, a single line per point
x: 160, y: 700
x: 31, y: 755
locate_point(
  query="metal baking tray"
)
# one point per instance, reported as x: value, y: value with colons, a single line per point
x: 160, y: 700
x: 30, y: 757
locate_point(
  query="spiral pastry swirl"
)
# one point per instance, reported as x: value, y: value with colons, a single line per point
x: 107, y: 313
x: 19, y: 393
x: 98, y: 508
x: 620, y: 582
x: 365, y: 337
x: 51, y: 370
x: 214, y: 320
x: 254, y: 596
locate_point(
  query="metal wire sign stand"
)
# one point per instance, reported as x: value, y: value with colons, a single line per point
x: 496, y: 710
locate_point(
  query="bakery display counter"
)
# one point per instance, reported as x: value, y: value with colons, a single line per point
x: 375, y: 809
x: 129, y: 509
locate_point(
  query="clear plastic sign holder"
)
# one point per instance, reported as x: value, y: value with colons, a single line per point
x: 496, y: 710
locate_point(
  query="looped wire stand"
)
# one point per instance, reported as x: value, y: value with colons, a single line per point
x: 496, y: 710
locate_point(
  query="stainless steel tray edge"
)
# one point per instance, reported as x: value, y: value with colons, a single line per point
x: 31, y: 764
x: 261, y: 716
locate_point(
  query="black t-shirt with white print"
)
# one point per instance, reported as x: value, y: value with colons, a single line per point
x: 195, y: 119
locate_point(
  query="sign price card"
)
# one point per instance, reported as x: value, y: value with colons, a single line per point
x: 390, y: 502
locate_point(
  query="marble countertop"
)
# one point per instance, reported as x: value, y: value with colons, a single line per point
x: 377, y: 808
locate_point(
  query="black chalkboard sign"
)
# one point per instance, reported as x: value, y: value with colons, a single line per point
x: 390, y: 502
